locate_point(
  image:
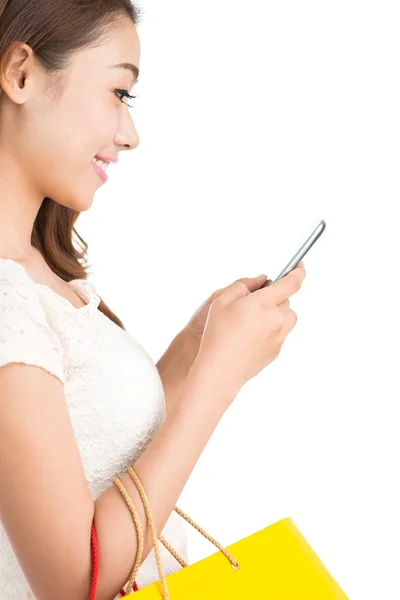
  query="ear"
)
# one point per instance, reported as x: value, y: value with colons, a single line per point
x: 16, y: 79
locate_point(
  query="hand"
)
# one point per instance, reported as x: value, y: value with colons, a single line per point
x: 245, y: 331
x: 176, y: 362
x: 195, y: 327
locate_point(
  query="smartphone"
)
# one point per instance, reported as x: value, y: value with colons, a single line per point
x: 298, y: 257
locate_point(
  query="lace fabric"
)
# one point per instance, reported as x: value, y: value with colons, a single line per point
x: 112, y: 388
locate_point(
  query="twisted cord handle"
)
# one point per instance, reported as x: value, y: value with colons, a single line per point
x: 140, y: 536
x: 130, y: 504
x: 146, y: 504
x: 139, y: 533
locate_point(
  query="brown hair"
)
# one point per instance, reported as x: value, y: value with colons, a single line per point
x: 55, y: 29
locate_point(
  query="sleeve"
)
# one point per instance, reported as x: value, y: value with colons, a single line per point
x: 25, y: 333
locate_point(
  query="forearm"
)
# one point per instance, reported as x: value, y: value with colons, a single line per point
x: 175, y: 364
x: 163, y: 468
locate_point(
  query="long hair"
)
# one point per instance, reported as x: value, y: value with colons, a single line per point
x: 55, y: 29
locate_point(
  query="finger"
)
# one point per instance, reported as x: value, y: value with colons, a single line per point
x: 267, y: 283
x: 284, y: 288
x: 284, y: 307
x: 254, y: 283
x: 289, y: 324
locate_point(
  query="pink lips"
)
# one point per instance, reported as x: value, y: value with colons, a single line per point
x: 100, y: 172
x: 109, y: 159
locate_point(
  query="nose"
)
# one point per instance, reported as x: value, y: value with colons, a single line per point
x: 127, y: 137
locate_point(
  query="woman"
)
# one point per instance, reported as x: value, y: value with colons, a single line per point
x: 80, y: 399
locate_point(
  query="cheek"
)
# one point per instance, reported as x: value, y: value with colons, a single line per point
x: 97, y: 129
x: 87, y: 123
x: 68, y: 139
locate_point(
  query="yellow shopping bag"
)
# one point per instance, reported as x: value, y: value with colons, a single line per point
x: 276, y: 563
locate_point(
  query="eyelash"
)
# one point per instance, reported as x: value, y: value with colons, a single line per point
x: 124, y: 93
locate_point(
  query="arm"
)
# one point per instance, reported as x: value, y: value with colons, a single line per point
x: 175, y: 364
x: 39, y: 461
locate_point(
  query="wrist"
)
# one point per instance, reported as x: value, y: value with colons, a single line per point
x: 203, y: 375
x: 176, y: 362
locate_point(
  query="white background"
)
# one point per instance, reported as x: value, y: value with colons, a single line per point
x: 257, y: 120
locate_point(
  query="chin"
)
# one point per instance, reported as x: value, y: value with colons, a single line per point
x: 80, y: 204
x: 83, y: 205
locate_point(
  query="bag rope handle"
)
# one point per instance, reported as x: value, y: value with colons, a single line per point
x: 139, y: 530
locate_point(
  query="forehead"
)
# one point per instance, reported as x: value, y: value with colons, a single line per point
x: 120, y: 44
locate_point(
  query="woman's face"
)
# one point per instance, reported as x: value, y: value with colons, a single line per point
x: 50, y: 131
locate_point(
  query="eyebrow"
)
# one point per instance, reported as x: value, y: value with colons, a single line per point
x: 128, y: 66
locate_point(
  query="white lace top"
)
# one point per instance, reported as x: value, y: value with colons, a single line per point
x: 112, y: 388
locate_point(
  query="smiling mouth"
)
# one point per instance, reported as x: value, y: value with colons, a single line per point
x: 101, y: 163
x: 100, y: 167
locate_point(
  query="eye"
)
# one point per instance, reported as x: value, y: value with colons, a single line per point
x: 122, y: 93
